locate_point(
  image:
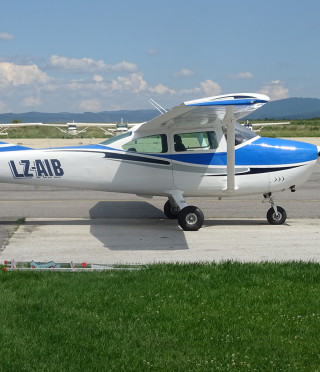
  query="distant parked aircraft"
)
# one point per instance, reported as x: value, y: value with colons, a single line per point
x: 72, y: 128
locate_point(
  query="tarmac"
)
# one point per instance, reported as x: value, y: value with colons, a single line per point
x: 144, y: 241
x: 151, y: 240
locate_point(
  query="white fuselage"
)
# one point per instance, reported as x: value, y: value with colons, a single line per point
x: 262, y: 165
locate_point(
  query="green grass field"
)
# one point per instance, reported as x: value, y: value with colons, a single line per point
x: 188, y: 317
x: 36, y: 131
x: 297, y: 128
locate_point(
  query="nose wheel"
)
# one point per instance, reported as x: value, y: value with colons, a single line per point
x: 276, y: 215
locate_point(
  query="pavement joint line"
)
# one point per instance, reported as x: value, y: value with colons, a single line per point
x: 156, y: 202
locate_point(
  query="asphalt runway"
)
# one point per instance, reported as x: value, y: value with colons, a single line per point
x: 100, y: 227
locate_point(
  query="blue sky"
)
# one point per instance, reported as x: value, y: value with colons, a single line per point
x: 96, y: 55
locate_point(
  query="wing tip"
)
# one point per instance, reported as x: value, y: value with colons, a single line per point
x: 230, y: 99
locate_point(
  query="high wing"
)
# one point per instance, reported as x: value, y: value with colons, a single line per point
x: 206, y: 111
x: 212, y: 111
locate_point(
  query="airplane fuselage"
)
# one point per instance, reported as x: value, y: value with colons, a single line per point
x: 262, y: 165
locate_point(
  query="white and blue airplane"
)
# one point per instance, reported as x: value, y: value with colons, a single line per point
x: 195, y: 149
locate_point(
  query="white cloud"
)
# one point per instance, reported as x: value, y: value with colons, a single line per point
x: 183, y: 73
x: 90, y: 105
x: 152, y: 52
x: 28, y: 86
x: 88, y: 65
x: 241, y: 76
x: 31, y: 102
x: 275, y: 90
x: 76, y: 65
x: 190, y: 91
x: 11, y: 74
x: 207, y: 88
x: 4, y: 36
x: 161, y: 89
x: 210, y: 88
x: 123, y: 67
x: 97, y: 78
x: 134, y: 83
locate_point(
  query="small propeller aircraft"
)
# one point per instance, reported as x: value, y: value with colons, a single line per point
x: 261, y: 125
x: 195, y: 149
x: 72, y: 128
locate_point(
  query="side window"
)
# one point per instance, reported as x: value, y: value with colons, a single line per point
x: 150, y: 144
x: 196, y: 141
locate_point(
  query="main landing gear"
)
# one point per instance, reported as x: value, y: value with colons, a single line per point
x: 276, y: 215
x: 190, y: 218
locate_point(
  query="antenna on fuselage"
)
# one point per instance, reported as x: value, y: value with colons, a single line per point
x: 157, y: 106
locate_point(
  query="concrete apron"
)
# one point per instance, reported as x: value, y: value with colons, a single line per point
x: 142, y: 241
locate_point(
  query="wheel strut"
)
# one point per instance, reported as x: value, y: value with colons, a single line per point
x: 276, y: 215
x: 190, y: 218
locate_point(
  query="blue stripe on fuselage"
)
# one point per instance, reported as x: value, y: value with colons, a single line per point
x: 13, y: 148
x: 263, y: 151
x: 260, y: 152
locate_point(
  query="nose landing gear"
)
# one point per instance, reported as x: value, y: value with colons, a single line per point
x: 276, y: 215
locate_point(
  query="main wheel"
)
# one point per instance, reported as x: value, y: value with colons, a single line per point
x: 276, y: 218
x: 170, y: 211
x: 190, y: 218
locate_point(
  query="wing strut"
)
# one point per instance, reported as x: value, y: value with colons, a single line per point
x: 230, y: 120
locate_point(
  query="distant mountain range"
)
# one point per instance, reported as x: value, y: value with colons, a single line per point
x: 130, y: 116
x: 289, y: 108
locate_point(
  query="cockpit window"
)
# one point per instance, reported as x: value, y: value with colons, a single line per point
x: 242, y: 134
x: 116, y: 138
x: 196, y: 141
x: 150, y: 144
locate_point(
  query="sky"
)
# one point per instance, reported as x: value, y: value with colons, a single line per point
x: 102, y: 55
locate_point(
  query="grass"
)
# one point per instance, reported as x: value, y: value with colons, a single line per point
x: 297, y: 128
x: 188, y: 317
x: 36, y: 131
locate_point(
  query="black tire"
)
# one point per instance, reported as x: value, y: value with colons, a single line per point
x: 276, y: 219
x: 170, y: 211
x: 190, y: 218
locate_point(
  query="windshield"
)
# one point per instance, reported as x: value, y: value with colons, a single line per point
x: 245, y: 132
x: 242, y: 134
